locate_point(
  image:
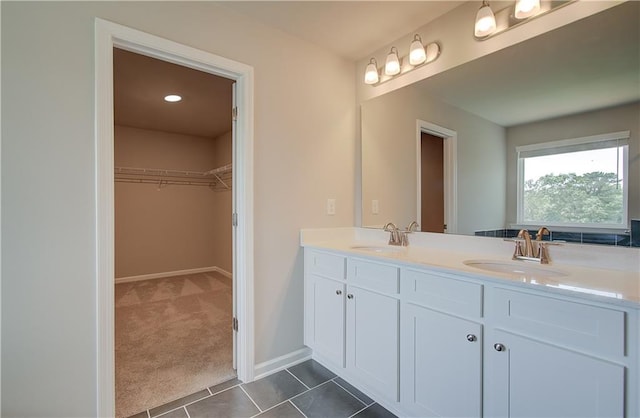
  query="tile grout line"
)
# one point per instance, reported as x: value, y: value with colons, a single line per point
x: 250, y: 398
x: 295, y: 406
x: 307, y: 391
x: 223, y: 390
x: 198, y: 400
x: 181, y: 406
x: 274, y: 407
x: 352, y: 394
x: 296, y: 377
x: 357, y: 412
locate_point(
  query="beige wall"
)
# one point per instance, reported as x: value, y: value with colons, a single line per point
x: 304, y: 154
x: 176, y: 227
x: 615, y: 119
x: 389, y: 147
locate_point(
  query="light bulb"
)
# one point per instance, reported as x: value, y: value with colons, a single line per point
x: 172, y: 98
x: 416, y: 52
x: 527, y: 8
x: 392, y: 66
x: 485, y: 21
x: 371, y: 73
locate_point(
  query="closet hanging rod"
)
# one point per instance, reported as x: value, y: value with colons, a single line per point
x: 158, y: 172
x: 219, y: 170
x: 166, y: 182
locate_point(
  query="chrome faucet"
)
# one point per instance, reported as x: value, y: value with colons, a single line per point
x: 394, y: 237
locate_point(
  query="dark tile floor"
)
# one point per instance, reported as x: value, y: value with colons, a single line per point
x: 304, y: 390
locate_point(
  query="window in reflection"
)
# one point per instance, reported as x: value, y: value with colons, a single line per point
x: 576, y: 182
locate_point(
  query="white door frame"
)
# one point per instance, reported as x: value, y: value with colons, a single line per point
x: 450, y: 171
x: 108, y: 35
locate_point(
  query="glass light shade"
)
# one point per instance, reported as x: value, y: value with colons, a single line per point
x: 527, y: 8
x: 371, y: 73
x: 392, y: 65
x: 432, y: 52
x: 485, y: 21
x: 416, y: 52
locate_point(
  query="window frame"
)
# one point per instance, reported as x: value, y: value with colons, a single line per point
x: 622, y: 139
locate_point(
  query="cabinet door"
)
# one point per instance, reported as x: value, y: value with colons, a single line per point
x: 528, y: 378
x: 325, y: 319
x: 373, y: 339
x: 441, y: 364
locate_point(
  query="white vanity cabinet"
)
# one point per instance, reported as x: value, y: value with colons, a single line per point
x: 373, y: 325
x: 324, y: 314
x: 546, y: 357
x: 441, y: 340
x: 352, y: 321
x: 424, y: 342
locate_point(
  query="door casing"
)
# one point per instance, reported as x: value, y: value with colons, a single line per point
x: 107, y: 36
x: 450, y: 171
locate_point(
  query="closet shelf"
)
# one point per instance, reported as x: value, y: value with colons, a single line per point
x: 218, y: 179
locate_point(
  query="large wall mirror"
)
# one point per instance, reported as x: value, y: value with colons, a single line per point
x: 581, y: 80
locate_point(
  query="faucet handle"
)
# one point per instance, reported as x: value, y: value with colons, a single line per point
x: 518, y: 251
x: 543, y: 253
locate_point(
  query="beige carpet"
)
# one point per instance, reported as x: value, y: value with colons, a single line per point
x: 173, y: 338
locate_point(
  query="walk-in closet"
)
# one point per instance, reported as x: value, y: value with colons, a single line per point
x: 173, y: 233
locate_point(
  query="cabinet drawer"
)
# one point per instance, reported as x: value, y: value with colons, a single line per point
x: 325, y: 264
x: 375, y: 276
x: 569, y: 324
x: 442, y: 293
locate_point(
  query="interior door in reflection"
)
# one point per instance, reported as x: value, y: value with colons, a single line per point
x: 432, y: 183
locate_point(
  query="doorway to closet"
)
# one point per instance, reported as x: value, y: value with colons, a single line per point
x: 173, y: 233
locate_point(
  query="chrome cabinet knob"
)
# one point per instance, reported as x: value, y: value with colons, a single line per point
x: 471, y: 338
x: 349, y: 296
x: 338, y: 292
x: 499, y: 347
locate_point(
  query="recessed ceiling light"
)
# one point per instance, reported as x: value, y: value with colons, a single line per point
x: 172, y: 98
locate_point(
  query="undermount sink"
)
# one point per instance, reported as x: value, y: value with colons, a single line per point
x: 515, y: 268
x: 383, y: 249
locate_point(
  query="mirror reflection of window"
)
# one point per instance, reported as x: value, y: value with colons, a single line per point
x: 576, y: 182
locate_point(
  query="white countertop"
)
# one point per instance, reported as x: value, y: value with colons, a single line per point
x: 616, y: 280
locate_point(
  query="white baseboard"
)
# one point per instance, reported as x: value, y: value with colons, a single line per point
x: 280, y: 363
x: 225, y: 273
x: 171, y: 273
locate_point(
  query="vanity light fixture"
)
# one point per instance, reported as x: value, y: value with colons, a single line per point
x: 172, y: 98
x: 392, y: 65
x: 417, y: 55
x: 371, y: 73
x: 490, y: 22
x: 527, y: 8
x: 485, y: 21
